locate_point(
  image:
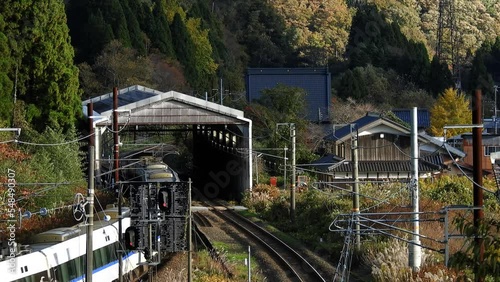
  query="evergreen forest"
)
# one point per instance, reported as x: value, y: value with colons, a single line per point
x: 387, y: 53
x: 382, y: 54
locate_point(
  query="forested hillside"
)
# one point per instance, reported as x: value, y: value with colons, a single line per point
x: 380, y: 52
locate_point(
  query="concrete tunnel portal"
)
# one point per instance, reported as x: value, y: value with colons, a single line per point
x: 221, y: 136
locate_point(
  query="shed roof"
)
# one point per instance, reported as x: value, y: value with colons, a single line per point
x: 149, y: 106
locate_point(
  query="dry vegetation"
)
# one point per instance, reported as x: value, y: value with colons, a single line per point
x: 387, y: 259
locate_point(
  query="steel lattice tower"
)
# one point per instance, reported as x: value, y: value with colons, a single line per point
x: 446, y: 48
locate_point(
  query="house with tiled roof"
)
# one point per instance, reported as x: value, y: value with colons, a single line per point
x: 384, y: 151
x: 490, y: 145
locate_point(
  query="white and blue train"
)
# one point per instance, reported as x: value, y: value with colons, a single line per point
x: 60, y: 254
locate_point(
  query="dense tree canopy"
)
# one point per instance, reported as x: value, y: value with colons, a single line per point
x: 322, y: 27
x: 283, y: 105
x: 6, y: 84
x: 485, y: 70
x: 42, y: 61
x: 375, y: 50
x: 120, y: 66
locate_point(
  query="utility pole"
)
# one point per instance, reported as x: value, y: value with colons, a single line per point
x: 477, y: 153
x: 221, y: 98
x: 355, y: 189
x: 249, y: 266
x: 415, y: 251
x: 257, y: 169
x: 495, y: 110
x: 292, y: 189
x: 190, y: 235
x: 284, y: 173
x: 90, y: 199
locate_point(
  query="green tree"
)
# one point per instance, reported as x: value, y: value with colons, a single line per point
x: 204, y: 66
x: 210, y: 22
x: 283, y: 104
x: 263, y: 33
x: 350, y: 86
x: 118, y: 65
x: 6, y: 84
x: 406, y: 14
x: 57, y: 163
x: 135, y: 33
x: 366, y: 84
x: 468, y: 258
x: 98, y: 33
x: 439, y: 77
x: 114, y: 14
x: 321, y: 27
x: 47, y: 79
x: 157, y: 28
x: 184, y: 48
x: 376, y: 41
x: 288, y: 101
x: 451, y: 108
x: 480, y: 78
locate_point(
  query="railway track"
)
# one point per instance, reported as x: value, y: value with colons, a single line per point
x: 201, y: 220
x: 296, y: 266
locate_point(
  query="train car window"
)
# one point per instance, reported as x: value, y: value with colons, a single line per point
x: 71, y: 269
x: 97, y: 259
x: 113, y: 251
x: 38, y: 277
x: 110, y: 250
x: 62, y: 272
x: 105, y: 255
x: 80, y: 265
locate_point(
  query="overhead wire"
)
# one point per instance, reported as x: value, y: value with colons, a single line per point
x: 468, y: 177
x: 122, y: 128
x: 16, y: 140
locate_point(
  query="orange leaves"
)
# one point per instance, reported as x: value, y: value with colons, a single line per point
x: 8, y: 152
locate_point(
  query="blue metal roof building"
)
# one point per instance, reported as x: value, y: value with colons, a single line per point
x: 315, y: 81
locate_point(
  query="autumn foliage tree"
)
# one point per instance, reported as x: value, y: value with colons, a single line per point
x: 451, y: 108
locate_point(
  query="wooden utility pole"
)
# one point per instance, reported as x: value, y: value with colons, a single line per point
x: 292, y: 189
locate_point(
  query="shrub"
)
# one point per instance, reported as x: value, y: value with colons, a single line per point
x: 388, y: 261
